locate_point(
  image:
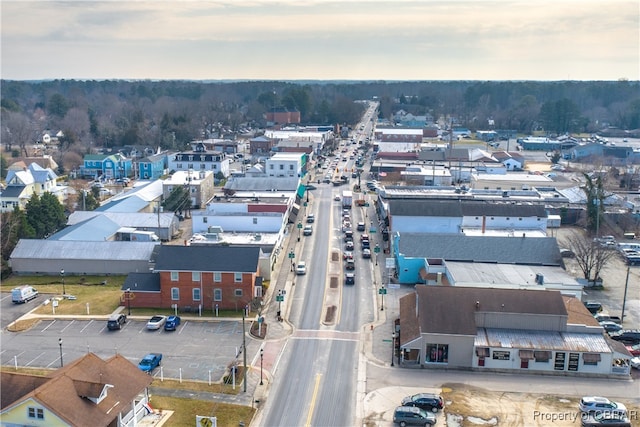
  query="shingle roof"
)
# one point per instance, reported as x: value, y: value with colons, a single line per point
x: 208, y: 258
x: 435, y: 304
x: 142, y: 282
x: 12, y: 191
x: 492, y: 249
x: 67, y: 391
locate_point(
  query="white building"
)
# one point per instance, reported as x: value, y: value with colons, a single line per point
x: 284, y: 165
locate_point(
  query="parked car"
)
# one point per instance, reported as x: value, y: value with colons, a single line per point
x: 23, y: 294
x: 150, y: 362
x: 598, y: 404
x: 627, y: 336
x: 427, y: 401
x: 156, y: 322
x: 634, y: 349
x: 308, y: 230
x: 605, y: 419
x: 410, y: 415
x: 610, y: 326
x: 311, y: 218
x: 594, y: 307
x: 172, y: 323
x: 635, y: 362
x: 602, y: 317
x: 116, y: 321
x: 301, y: 268
x: 350, y: 279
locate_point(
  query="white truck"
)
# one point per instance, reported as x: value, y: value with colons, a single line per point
x: 347, y: 199
x: 144, y: 236
x: 23, y: 293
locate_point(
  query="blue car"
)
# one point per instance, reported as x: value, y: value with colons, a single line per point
x: 150, y: 362
x: 172, y: 323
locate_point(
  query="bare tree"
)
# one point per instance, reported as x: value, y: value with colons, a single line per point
x: 17, y: 129
x: 590, y: 254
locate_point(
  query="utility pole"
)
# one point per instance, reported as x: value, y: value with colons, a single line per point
x: 244, y: 351
x: 624, y: 298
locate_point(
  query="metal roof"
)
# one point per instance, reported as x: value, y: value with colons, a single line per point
x: 541, y: 340
x: 82, y: 250
x: 207, y: 258
x: 127, y: 219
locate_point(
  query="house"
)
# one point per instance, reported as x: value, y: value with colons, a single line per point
x: 153, y: 166
x: 193, y: 276
x: 286, y: 165
x: 512, y: 161
x: 200, y: 159
x: 87, y: 392
x: 106, y: 166
x: 505, y: 330
x: 23, y: 183
x: 262, y: 145
x: 282, y: 115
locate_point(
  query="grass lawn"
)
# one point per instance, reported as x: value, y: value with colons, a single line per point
x: 185, y: 411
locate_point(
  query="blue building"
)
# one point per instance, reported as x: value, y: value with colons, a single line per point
x: 154, y: 166
x: 106, y: 166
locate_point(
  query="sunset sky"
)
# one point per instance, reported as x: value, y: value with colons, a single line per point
x: 321, y: 39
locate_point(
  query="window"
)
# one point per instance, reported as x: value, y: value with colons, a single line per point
x: 437, y: 353
x: 195, y: 276
x: 238, y: 293
x: 204, y: 219
x: 290, y: 167
x: 217, y: 294
x: 196, y: 294
x: 174, y: 276
x: 542, y: 356
x: 217, y: 276
x: 37, y: 413
x: 178, y: 165
x: 203, y: 166
x: 237, y: 277
x: 255, y: 220
x: 271, y: 166
x: 591, y: 358
x: 175, y: 294
x: 281, y: 167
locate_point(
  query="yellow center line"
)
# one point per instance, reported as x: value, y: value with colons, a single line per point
x: 313, y: 400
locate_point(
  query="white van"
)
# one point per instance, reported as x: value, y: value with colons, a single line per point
x: 22, y: 294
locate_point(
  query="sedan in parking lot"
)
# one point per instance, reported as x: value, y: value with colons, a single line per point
x: 427, y: 401
x: 172, y: 323
x: 610, y: 326
x: 597, y: 404
x: 156, y: 322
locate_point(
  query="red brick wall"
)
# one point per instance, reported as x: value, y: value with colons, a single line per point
x: 144, y: 299
x: 186, y: 286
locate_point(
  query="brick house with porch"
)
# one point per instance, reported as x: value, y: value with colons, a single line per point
x: 188, y: 276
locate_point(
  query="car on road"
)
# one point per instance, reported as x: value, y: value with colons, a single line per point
x: 605, y: 419
x: 350, y: 279
x: 156, y: 322
x: 427, y: 401
x: 150, y: 362
x: 349, y: 246
x: 360, y: 226
x: 347, y: 256
x: 301, y: 268
x: 336, y: 198
x: 350, y: 265
x: 172, y: 323
x: 311, y: 218
x: 598, y: 404
x: 366, y: 253
x: 410, y: 415
x: 308, y: 230
x: 116, y: 321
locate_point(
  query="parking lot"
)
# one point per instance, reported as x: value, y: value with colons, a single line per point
x: 198, y: 350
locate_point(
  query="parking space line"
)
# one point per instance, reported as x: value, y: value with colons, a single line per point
x: 54, y: 361
x: 48, y: 326
x: 88, y: 324
x: 184, y: 325
x: 33, y: 360
x: 70, y: 323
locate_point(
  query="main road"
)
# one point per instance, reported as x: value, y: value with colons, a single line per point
x: 319, y: 366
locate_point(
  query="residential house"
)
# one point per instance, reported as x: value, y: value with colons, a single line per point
x: 87, y: 392
x: 189, y: 277
x: 106, y: 166
x: 505, y: 330
x: 153, y: 166
x: 22, y: 184
x: 512, y: 161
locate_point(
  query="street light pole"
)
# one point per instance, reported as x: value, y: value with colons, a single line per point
x: 129, y: 301
x: 624, y: 298
x: 261, y: 356
x: 244, y: 351
x: 393, y: 346
x: 60, y: 344
x: 64, y: 292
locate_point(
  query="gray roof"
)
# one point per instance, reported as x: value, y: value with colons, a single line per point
x: 461, y: 208
x: 142, y: 282
x: 12, y: 191
x: 208, y: 258
x: 127, y: 219
x: 70, y: 250
x: 263, y: 183
x: 491, y: 249
x: 435, y: 306
x: 99, y: 228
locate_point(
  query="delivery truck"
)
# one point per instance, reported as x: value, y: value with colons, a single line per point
x: 22, y: 294
x: 347, y: 199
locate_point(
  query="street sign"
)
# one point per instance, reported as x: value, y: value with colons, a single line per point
x: 299, y: 225
x: 372, y: 230
x: 292, y: 255
x: 376, y: 249
x: 279, y: 298
x: 382, y: 291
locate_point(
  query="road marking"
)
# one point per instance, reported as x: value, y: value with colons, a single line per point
x: 313, y: 399
x: 34, y: 359
x: 184, y: 325
x: 70, y: 323
x: 88, y: 324
x: 48, y: 326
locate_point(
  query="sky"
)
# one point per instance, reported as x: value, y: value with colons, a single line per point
x: 321, y: 40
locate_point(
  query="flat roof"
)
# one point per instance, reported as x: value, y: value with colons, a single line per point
x: 464, y: 273
x: 541, y: 340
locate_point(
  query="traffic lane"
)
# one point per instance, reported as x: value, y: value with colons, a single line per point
x: 196, y: 350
